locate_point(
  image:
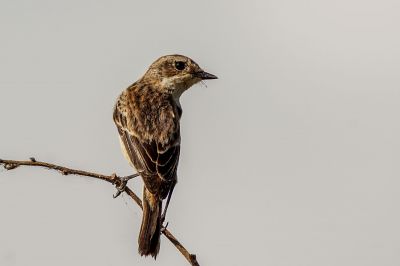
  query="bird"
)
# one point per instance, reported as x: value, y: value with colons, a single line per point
x: 147, y: 115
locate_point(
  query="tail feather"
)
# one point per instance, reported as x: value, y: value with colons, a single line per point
x: 149, y: 236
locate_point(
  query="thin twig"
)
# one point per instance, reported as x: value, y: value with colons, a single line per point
x: 113, y: 179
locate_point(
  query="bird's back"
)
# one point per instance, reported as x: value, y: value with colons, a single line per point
x: 148, y: 123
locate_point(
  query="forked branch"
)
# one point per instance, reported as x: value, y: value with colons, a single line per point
x: 113, y: 179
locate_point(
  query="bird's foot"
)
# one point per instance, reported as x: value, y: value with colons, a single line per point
x: 164, y: 227
x: 123, y: 180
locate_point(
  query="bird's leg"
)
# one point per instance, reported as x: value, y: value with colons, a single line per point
x: 167, y: 203
x: 163, y: 228
x: 122, y: 184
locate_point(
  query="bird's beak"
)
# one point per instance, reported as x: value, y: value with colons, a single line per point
x: 204, y: 75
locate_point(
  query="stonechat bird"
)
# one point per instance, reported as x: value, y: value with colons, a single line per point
x: 147, y: 116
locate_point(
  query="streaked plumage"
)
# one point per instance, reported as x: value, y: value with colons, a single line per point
x: 147, y: 116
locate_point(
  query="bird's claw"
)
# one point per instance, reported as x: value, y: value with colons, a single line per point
x: 163, y: 228
x: 122, y: 183
x: 120, y: 188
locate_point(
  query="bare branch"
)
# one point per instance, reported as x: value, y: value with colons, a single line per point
x: 113, y: 179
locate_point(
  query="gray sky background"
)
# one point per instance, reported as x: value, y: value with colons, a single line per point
x: 290, y: 158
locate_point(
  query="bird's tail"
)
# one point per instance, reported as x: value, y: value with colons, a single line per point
x: 149, y: 236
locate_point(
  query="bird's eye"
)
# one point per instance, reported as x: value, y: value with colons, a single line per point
x: 180, y: 65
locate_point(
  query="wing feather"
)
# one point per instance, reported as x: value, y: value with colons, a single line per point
x: 156, y: 163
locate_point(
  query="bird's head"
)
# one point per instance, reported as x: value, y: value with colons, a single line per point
x: 175, y: 73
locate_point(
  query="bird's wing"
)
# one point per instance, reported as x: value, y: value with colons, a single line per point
x: 156, y: 163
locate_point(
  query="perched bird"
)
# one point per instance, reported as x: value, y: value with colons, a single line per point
x: 147, y: 116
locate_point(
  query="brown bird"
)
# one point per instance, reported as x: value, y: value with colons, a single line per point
x: 147, y: 116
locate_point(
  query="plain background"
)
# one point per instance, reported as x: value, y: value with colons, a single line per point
x: 290, y: 158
